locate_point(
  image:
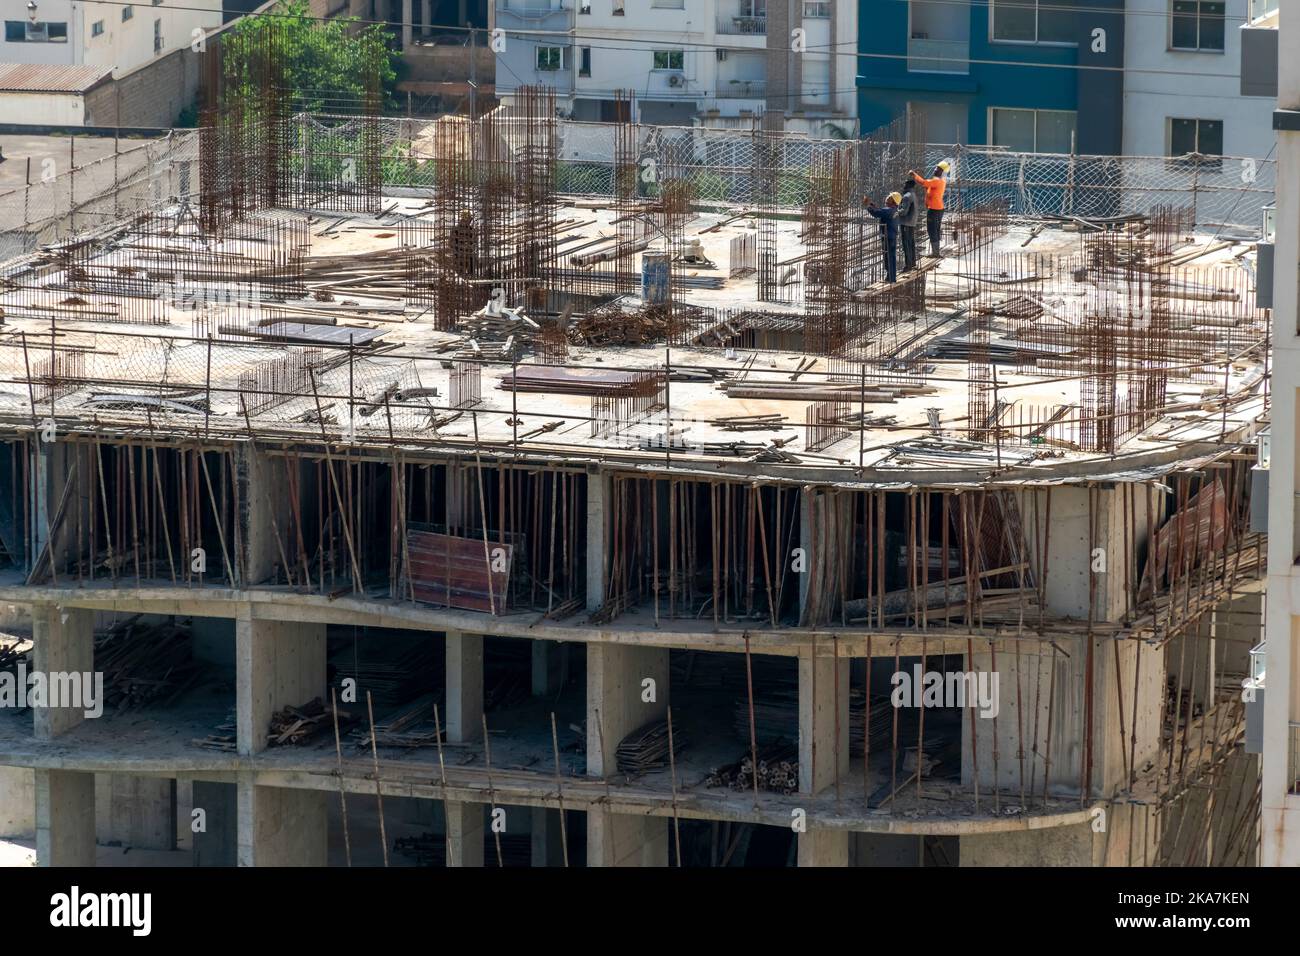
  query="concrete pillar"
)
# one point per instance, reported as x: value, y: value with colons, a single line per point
x: 218, y: 843
x: 1052, y: 846
x: 616, y: 706
x: 278, y: 664
x: 550, y: 667
x: 824, y: 847
x: 281, y: 827
x: 64, y: 642
x: 135, y: 811
x: 406, y: 24
x: 427, y: 20
x: 52, y: 463
x: 466, y: 833
x: 597, y: 537
x: 823, y: 685
x: 464, y: 686
x: 17, y: 802
x: 626, y: 839
x: 184, y: 834
x: 548, y: 843
x: 616, y: 703
x: 265, y: 511
x: 65, y: 818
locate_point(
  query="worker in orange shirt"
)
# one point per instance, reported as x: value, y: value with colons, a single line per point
x: 934, y: 188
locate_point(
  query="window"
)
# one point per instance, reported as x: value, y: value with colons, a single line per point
x: 24, y: 31
x: 157, y: 3
x: 584, y: 61
x: 669, y: 59
x: 585, y: 6
x: 157, y: 36
x: 97, y: 28
x: 1204, y: 137
x: 1033, y: 21
x: 753, y: 8
x: 816, y: 9
x: 1197, y: 25
x: 1034, y: 131
x: 549, y: 58
x: 668, y: 4
x: 127, y: 14
x: 618, y: 8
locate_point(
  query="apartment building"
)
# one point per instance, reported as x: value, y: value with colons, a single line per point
x: 1185, y: 67
x: 1000, y: 73
x: 719, y: 63
x: 117, y: 37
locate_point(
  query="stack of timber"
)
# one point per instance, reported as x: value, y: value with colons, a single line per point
x: 145, y: 664
x: 409, y: 727
x: 646, y: 749
x: 300, y: 725
x: 430, y: 849
x: 776, y: 717
x: 394, y: 670
x: 223, y: 738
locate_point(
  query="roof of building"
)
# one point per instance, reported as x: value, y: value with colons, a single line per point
x: 39, y: 78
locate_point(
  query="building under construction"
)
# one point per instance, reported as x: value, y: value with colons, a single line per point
x: 509, y: 492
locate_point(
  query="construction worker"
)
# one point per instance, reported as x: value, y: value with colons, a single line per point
x: 934, y: 187
x: 889, y: 231
x: 909, y: 214
x: 463, y: 241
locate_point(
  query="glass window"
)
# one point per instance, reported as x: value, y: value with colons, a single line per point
x: 1195, y: 136
x: 97, y: 28
x: 1056, y: 23
x: 127, y: 14
x: 549, y: 58
x: 669, y: 4
x: 669, y: 59
x: 1014, y: 129
x: 1209, y: 137
x: 584, y: 61
x: 15, y: 31
x: 1055, y: 131
x: 816, y: 10
x: 1015, y: 20
x: 1197, y: 25
x: 57, y: 32
x: 1182, y: 137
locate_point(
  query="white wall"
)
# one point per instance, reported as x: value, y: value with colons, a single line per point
x: 57, y: 109
x: 123, y: 45
x: 1160, y: 83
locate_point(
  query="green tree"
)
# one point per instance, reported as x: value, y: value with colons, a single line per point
x: 328, y: 65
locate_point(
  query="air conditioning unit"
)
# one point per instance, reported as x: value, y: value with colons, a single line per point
x: 722, y: 55
x: 676, y: 79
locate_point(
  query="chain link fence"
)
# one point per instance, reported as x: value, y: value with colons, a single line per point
x: 1227, y: 194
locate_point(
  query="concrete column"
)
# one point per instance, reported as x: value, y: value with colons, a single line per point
x: 265, y: 510
x: 464, y: 686
x: 616, y: 706
x: 278, y: 664
x: 52, y: 464
x: 218, y: 843
x: 184, y: 834
x: 1054, y: 846
x: 135, y: 811
x: 406, y: 24
x: 548, y: 843
x: 465, y: 834
x: 65, y: 818
x: 427, y: 20
x: 281, y: 827
x: 597, y: 537
x: 823, y: 684
x: 824, y: 847
x: 64, y: 640
x: 17, y: 802
x: 626, y: 839
x: 616, y: 703
x: 550, y: 667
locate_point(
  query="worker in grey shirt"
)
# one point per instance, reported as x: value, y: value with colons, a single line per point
x: 909, y: 217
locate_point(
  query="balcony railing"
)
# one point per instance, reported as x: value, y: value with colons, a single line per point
x: 742, y: 26
x: 938, y: 56
x: 742, y: 89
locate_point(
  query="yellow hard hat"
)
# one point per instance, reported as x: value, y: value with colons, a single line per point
x: 894, y: 197
x: 944, y: 165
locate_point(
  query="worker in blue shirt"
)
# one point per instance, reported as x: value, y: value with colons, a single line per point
x: 888, y: 217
